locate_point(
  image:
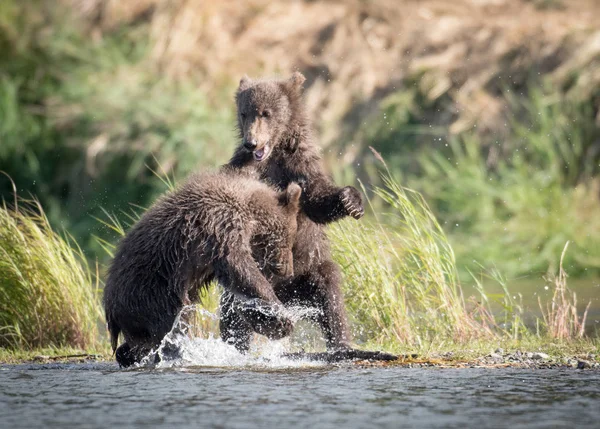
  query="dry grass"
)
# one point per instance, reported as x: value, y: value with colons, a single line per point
x: 467, y: 52
x: 561, y: 318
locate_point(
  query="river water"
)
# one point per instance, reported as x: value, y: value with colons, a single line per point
x: 281, y: 394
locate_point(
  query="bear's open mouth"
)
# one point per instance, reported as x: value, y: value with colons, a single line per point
x: 262, y: 153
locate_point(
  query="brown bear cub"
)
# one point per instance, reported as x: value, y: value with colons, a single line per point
x: 224, y: 226
x: 277, y: 146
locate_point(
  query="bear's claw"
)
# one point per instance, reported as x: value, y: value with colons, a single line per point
x: 352, y: 202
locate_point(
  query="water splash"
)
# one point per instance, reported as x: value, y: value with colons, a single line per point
x: 180, y: 349
x: 298, y: 313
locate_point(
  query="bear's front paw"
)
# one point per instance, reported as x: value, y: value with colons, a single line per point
x: 352, y: 202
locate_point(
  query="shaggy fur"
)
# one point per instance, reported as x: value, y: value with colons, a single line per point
x: 221, y: 225
x: 277, y: 146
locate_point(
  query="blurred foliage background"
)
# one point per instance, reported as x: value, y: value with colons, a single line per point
x: 490, y: 108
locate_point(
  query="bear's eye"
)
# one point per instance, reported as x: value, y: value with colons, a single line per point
x: 266, y: 114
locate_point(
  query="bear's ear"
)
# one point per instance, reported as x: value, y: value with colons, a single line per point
x: 293, y: 192
x: 245, y: 82
x: 290, y: 198
x: 296, y: 80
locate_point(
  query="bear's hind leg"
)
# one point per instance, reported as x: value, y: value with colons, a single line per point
x: 320, y: 288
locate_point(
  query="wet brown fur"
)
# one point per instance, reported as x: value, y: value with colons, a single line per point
x: 223, y: 226
x: 271, y: 114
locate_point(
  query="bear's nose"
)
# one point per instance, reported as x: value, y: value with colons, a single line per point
x: 250, y: 144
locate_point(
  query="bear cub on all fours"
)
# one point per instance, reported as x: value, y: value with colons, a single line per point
x: 224, y: 226
x: 278, y: 147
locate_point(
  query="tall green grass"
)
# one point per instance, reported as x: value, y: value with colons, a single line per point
x: 400, y: 276
x: 48, y: 294
x: 402, y: 287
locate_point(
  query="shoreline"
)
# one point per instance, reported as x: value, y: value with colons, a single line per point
x: 564, y: 362
x: 518, y: 360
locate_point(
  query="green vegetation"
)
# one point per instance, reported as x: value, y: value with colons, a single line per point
x: 48, y: 294
x: 401, y: 281
x: 509, y: 201
x: 81, y: 119
x: 515, y: 202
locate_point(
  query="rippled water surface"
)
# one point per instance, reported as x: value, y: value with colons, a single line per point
x: 101, y: 395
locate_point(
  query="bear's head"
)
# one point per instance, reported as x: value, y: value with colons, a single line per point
x: 268, y: 112
x: 274, y: 237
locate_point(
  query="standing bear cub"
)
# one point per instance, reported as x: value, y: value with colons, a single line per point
x: 277, y: 146
x: 221, y: 225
